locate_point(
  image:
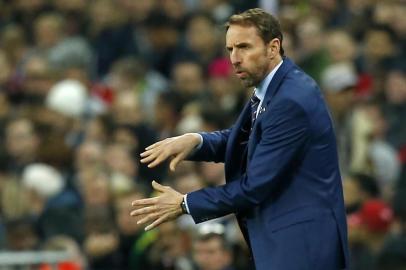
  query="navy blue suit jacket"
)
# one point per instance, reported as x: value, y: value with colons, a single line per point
x: 288, y: 199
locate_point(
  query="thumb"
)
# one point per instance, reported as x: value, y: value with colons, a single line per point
x: 158, y: 186
x: 174, y: 162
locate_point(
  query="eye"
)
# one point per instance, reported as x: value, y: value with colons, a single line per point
x: 243, y: 46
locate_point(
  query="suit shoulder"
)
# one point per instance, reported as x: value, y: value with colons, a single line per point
x: 300, y: 88
x: 297, y: 78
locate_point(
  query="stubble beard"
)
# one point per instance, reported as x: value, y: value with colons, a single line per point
x: 251, y: 80
x: 255, y: 77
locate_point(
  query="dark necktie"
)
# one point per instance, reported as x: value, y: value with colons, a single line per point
x: 254, y: 102
x: 246, y: 130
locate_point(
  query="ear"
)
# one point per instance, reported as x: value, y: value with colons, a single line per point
x: 274, y: 48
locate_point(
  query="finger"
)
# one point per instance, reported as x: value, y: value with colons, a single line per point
x: 148, y: 159
x: 147, y: 153
x: 147, y: 218
x: 148, y: 201
x: 143, y: 211
x: 152, y: 156
x: 175, y: 161
x: 158, y: 160
x: 157, y: 222
x: 158, y: 186
x: 154, y: 145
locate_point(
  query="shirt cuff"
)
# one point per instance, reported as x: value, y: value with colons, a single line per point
x: 197, y: 148
x: 185, y: 200
x: 201, y: 142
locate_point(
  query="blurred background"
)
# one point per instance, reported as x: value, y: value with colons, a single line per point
x: 86, y: 85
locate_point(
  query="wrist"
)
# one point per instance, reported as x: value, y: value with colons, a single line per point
x: 183, y: 206
x: 196, y: 138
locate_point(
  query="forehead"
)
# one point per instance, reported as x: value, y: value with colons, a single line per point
x: 242, y: 33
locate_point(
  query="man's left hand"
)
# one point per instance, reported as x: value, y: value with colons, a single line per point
x: 157, y: 210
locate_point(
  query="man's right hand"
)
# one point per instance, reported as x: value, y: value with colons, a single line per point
x: 177, y: 148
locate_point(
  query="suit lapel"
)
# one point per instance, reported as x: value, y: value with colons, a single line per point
x: 273, y: 87
x: 277, y: 80
x: 236, y: 145
x: 235, y: 150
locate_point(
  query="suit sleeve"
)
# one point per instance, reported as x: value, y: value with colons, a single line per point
x: 213, y: 147
x: 284, y: 136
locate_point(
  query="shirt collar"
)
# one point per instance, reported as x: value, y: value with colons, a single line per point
x: 260, y: 91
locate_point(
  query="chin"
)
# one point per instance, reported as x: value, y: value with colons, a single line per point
x: 247, y: 84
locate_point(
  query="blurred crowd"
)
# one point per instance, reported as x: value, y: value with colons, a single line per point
x: 86, y: 85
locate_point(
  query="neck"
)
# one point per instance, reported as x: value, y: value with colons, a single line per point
x: 274, y: 62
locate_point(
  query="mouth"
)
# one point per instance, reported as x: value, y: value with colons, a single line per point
x: 241, y: 74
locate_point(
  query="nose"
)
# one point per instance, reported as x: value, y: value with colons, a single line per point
x: 235, y: 58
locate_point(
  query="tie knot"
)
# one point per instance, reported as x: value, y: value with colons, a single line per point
x: 254, y: 99
x: 254, y: 102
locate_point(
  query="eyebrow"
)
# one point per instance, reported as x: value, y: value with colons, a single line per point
x: 238, y: 45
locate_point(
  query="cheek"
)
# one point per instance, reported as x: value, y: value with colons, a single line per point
x: 255, y: 59
x: 259, y: 67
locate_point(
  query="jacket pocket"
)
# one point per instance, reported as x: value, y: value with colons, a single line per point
x: 293, y: 217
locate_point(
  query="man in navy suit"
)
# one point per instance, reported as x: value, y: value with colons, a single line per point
x: 281, y: 165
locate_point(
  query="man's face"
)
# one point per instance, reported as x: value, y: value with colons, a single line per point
x: 21, y: 141
x: 188, y: 78
x: 209, y: 255
x: 125, y: 222
x: 248, y: 54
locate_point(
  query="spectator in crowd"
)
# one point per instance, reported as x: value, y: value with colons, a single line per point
x: 393, y: 253
x: 14, y: 43
x: 176, y: 10
x: 395, y: 106
x: 371, y: 152
x: 128, y: 115
x: 189, y: 181
x: 358, y: 17
x: 21, y: 235
x: 392, y: 256
x: 225, y: 95
x: 168, y: 112
x: 338, y: 84
x: 341, y: 47
x: 132, y: 74
x: 101, y: 243
x: 60, y: 49
x: 359, y: 188
x: 202, y: 41
x: 37, y: 79
x: 188, y: 80
x: 120, y: 163
x: 367, y: 232
x: 109, y: 33
x: 211, y: 251
x: 220, y: 10
x: 54, y: 208
x: 163, y: 39
x: 22, y: 144
x: 310, y: 34
x: 89, y: 155
x: 5, y: 70
x: 85, y: 86
x: 129, y: 232
x: 75, y: 257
